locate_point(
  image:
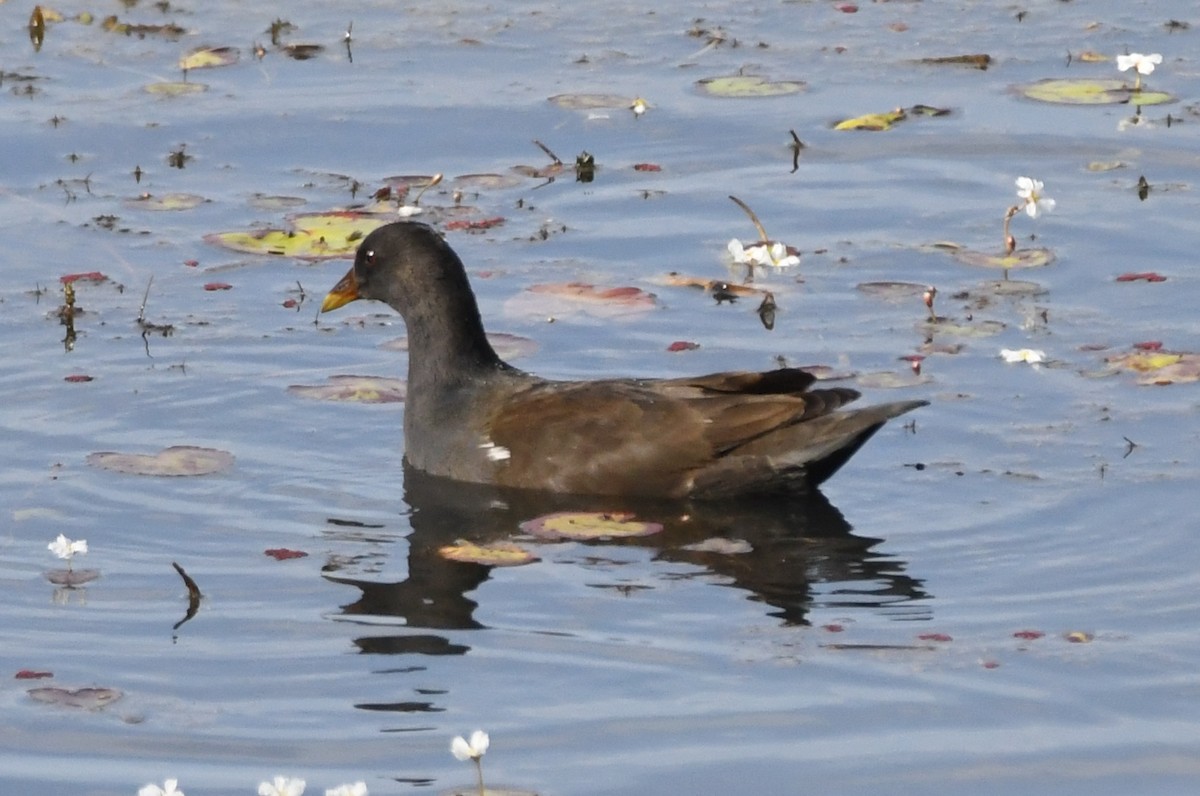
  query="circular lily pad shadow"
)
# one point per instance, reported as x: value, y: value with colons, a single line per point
x: 497, y: 554
x: 72, y: 577
x: 355, y: 389
x: 1089, y: 91
x: 179, y: 460
x: 748, y: 86
x: 1021, y: 258
x: 585, y: 525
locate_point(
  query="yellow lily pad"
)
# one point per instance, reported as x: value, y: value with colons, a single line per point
x: 175, y: 88
x: 355, y: 389
x: 208, y: 57
x: 169, y: 201
x: 872, y: 121
x: 584, y: 525
x: 743, y: 86
x: 1159, y: 367
x: 1090, y: 91
x: 316, y: 236
x: 1021, y: 258
x: 179, y: 460
x: 497, y: 554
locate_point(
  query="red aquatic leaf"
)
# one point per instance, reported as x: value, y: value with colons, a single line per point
x: 1148, y: 276
x: 89, y: 276
x: 1028, y: 635
x: 847, y: 8
x: 474, y: 226
x: 191, y: 263
x: 75, y: 378
x: 30, y: 674
x: 1149, y: 345
x: 290, y: 303
x: 833, y: 628
x: 935, y: 637
x: 683, y: 345
x: 989, y: 664
x: 647, y: 167
x: 218, y: 286
x: 283, y: 553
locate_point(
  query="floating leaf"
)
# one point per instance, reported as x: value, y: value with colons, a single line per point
x: 1021, y: 258
x: 175, y: 88
x: 481, y: 182
x: 30, y: 674
x: 262, y: 202
x: 565, y: 297
x: 87, y: 276
x: 302, y: 52
x: 894, y: 291
x: 682, y: 345
x: 208, y: 57
x: 1090, y: 91
x: 356, y: 389
x: 507, y: 346
x: 179, y: 460
x: 170, y: 201
x: 1146, y: 276
x: 497, y: 554
x: 83, y: 698
x: 1079, y: 636
x: 872, y: 121
x: 214, y: 286
x: 316, y: 236
x: 943, y: 637
x: 743, y: 86
x: 950, y: 326
x: 284, y: 554
x: 1028, y: 635
x: 1157, y: 367
x: 891, y: 380
x: 977, y: 61
x: 588, y: 525
x: 586, y: 102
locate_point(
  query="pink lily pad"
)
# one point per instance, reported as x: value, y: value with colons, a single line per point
x: 178, y: 460
x: 586, y: 525
x: 356, y: 389
x: 82, y: 698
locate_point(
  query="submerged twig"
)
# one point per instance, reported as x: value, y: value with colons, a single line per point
x: 194, y: 595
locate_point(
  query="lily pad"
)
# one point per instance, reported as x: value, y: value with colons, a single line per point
x: 316, y: 236
x: 956, y: 328
x: 748, y: 86
x: 175, y: 88
x: 894, y: 291
x: 497, y: 554
x: 586, y: 102
x: 208, y: 58
x: 891, y: 380
x: 872, y: 121
x: 356, y: 389
x: 264, y: 202
x: 482, y: 182
x: 82, y: 698
x: 1012, y: 287
x: 1090, y: 91
x: 507, y: 346
x: 179, y: 460
x: 585, y: 525
x: 1021, y: 258
x: 169, y: 201
x: 1157, y: 367
x: 302, y: 52
x: 556, y: 299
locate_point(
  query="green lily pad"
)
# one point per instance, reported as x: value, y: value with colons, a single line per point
x: 496, y: 554
x: 950, y: 326
x: 175, y: 88
x: 1090, y: 91
x: 872, y: 121
x: 1021, y: 258
x: 894, y: 291
x: 742, y: 86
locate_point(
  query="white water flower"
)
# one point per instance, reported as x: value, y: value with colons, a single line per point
x: 357, y: 789
x: 1030, y: 190
x: 168, y: 789
x: 282, y: 786
x: 763, y: 253
x: 639, y: 106
x: 474, y: 749
x: 68, y: 549
x: 406, y: 211
x: 1030, y: 355
x: 1144, y: 64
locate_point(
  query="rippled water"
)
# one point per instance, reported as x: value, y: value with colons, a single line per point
x: 1016, y: 503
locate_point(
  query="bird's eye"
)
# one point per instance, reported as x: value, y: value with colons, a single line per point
x: 369, y: 257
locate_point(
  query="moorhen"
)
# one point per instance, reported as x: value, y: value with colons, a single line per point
x: 472, y: 417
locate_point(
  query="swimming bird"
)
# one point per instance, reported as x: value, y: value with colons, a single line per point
x: 470, y: 416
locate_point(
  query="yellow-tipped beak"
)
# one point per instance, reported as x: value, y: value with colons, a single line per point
x: 342, y: 293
